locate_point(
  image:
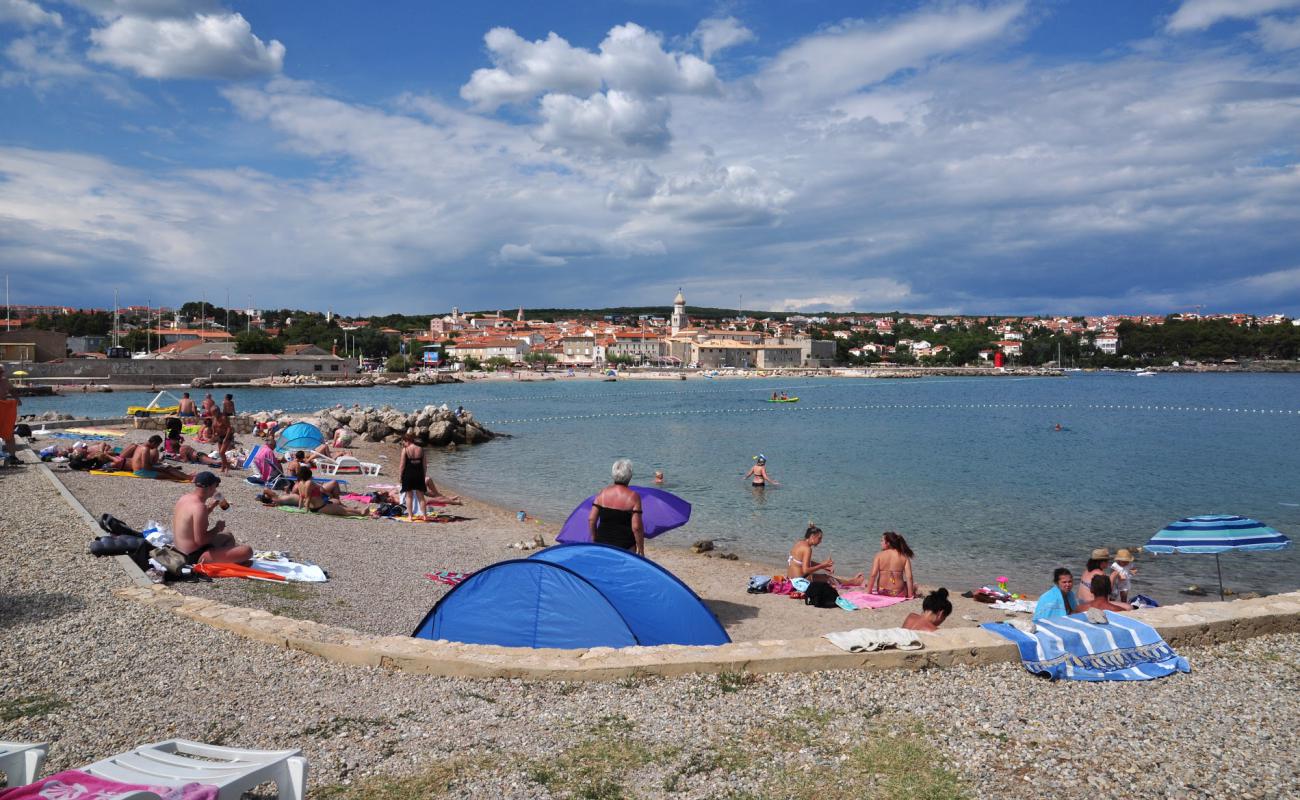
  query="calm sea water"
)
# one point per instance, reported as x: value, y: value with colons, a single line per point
x: 970, y: 471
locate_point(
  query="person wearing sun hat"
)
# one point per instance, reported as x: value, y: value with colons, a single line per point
x: 1120, y: 573
x: 1097, y: 563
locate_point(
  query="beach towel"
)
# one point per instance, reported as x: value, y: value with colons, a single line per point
x: 217, y: 569
x: 91, y: 437
x: 74, y: 785
x: 358, y: 498
x: 101, y: 432
x: 1023, y: 606
x: 1075, y: 649
x: 290, y: 570
x: 127, y: 474
x: 437, y: 518
x: 296, y: 510
x: 868, y: 640
x: 449, y: 577
x: 863, y: 599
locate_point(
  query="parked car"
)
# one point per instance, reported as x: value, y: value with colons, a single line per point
x: 118, y: 352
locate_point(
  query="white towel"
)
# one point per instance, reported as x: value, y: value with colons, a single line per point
x: 1027, y: 606
x: 291, y: 570
x: 868, y: 640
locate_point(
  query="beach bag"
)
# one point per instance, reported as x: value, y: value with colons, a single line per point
x: 758, y: 584
x: 116, y: 527
x: 821, y: 595
x: 171, y: 560
x: 23, y: 429
x: 391, y: 509
x: 780, y: 586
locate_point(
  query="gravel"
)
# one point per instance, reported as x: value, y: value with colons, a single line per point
x: 96, y: 674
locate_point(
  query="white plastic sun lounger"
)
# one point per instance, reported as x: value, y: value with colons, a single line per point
x: 233, y: 771
x: 20, y: 761
x: 345, y: 465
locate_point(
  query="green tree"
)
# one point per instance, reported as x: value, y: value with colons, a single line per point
x: 397, y: 363
x: 498, y: 362
x: 545, y: 359
x: 471, y: 363
x: 257, y: 342
x: 138, y: 340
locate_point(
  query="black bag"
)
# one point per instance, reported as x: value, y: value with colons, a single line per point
x: 116, y: 527
x: 821, y: 595
x: 23, y: 429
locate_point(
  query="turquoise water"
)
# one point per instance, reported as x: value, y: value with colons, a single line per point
x: 970, y: 470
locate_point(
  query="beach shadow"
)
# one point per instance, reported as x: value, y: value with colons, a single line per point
x: 29, y: 607
x: 729, y: 613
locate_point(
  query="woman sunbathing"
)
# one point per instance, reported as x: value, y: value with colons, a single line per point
x: 891, y: 570
x: 312, y: 497
x: 801, y: 564
x: 934, y: 610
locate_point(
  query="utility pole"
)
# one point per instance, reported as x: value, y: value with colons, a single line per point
x: 115, y: 317
x: 227, y: 309
x: 248, y: 320
x: 6, y: 302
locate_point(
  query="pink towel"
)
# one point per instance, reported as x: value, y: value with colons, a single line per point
x: 862, y: 599
x: 357, y: 498
x: 82, y: 786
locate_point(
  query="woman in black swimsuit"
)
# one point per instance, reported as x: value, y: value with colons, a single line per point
x: 615, y: 517
x: 411, y: 469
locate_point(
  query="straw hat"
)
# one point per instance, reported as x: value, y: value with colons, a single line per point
x: 1123, y: 555
x: 1100, y: 553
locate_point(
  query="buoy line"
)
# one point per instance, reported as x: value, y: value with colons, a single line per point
x: 792, y: 408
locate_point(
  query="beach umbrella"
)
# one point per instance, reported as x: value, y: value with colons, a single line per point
x: 660, y: 512
x: 1215, y: 534
x: 300, y: 436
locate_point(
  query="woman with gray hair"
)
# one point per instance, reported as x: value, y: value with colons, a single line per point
x: 615, y: 517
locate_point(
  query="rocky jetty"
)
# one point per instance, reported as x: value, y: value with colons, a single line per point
x: 415, y: 379
x: 432, y: 426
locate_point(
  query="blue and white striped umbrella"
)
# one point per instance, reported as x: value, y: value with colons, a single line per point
x: 1216, y: 533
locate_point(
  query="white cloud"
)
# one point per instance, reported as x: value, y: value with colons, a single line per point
x: 1197, y: 15
x: 219, y: 45
x: 878, y: 293
x: 719, y: 33
x: 525, y: 254
x: 614, y: 123
x: 46, y: 63
x: 1279, y: 34
x: 150, y: 9
x: 851, y: 57
x: 28, y: 14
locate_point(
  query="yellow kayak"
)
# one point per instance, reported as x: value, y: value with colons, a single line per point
x: 136, y: 411
x: 785, y: 400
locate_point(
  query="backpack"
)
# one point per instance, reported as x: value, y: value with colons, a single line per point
x: 116, y: 527
x: 821, y: 595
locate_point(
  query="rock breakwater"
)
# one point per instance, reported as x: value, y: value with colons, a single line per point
x: 432, y: 426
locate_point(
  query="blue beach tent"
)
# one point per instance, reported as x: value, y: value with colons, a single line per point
x: 300, y: 436
x: 573, y: 596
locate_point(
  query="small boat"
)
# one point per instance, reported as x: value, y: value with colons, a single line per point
x: 784, y: 400
x: 1144, y: 373
x: 153, y: 409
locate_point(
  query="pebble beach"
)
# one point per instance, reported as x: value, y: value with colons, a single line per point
x: 97, y: 674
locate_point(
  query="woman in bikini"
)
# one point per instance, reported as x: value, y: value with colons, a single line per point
x: 758, y: 473
x: 615, y: 517
x: 801, y: 563
x: 313, y: 498
x: 934, y: 610
x: 891, y: 571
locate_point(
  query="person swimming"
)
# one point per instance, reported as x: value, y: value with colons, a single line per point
x: 758, y: 473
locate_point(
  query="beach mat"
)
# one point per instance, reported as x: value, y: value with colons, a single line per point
x: 125, y: 474
x: 95, y: 432
x: 872, y: 601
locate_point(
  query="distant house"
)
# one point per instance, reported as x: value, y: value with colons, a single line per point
x: 304, y: 350
x: 1107, y: 343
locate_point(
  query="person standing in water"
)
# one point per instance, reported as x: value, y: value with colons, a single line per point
x: 758, y: 473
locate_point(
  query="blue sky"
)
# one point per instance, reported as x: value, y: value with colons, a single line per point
x: 1004, y: 156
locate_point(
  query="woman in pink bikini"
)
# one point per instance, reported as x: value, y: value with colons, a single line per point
x: 891, y: 571
x: 801, y: 563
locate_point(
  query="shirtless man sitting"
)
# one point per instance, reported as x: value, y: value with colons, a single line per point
x: 146, y: 461
x: 1101, y: 597
x: 186, y: 408
x: 202, y: 544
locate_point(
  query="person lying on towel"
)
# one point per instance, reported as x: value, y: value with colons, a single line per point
x: 146, y: 462
x: 200, y: 542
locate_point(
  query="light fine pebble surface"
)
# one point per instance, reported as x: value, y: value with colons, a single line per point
x: 96, y: 674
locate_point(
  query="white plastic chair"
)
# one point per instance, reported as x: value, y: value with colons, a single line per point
x: 345, y: 465
x: 233, y: 771
x: 20, y: 761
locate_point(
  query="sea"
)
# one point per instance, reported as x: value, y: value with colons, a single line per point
x: 971, y: 471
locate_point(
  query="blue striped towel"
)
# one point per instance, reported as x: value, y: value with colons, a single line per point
x: 1075, y: 649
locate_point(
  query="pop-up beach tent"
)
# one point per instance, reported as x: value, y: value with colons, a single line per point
x: 300, y: 436
x: 573, y: 596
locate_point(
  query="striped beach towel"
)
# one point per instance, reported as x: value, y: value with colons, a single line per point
x: 1075, y: 649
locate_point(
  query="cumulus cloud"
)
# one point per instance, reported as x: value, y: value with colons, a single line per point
x: 853, y: 56
x: 220, y: 45
x: 151, y: 9
x: 614, y: 123
x: 630, y: 59
x: 28, y: 14
x: 719, y: 33
x: 1198, y: 15
x: 45, y: 63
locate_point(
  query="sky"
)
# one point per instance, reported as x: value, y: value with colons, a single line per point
x: 995, y: 156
